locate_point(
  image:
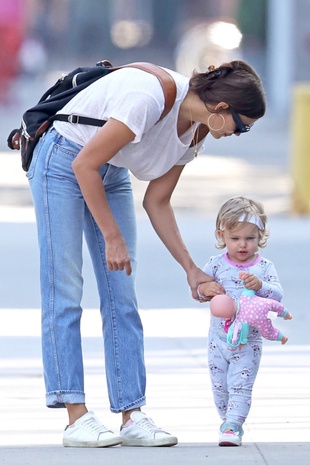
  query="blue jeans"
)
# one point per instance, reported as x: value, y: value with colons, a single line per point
x: 62, y: 218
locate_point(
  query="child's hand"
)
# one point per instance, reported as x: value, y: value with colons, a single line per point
x: 209, y: 290
x: 250, y: 281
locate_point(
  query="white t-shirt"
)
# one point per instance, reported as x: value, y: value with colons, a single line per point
x: 135, y: 98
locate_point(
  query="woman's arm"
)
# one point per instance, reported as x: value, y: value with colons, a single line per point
x: 158, y: 207
x: 99, y: 150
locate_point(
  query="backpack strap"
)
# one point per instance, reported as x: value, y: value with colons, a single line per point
x: 74, y: 118
x: 166, y: 81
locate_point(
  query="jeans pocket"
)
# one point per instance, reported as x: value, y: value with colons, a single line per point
x: 31, y: 170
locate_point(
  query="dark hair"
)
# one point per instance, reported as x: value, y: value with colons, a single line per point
x: 235, y: 83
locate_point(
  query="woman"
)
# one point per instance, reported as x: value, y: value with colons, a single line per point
x: 80, y: 184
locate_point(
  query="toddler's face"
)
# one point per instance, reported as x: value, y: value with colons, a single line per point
x: 241, y: 243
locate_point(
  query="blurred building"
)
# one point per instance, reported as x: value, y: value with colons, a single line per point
x: 119, y: 29
x: 288, y: 51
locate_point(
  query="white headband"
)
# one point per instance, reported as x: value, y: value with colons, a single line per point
x: 254, y: 219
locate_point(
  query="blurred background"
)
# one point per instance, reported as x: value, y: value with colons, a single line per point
x: 39, y: 38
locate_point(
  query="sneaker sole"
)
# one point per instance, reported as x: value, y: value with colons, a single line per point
x: 224, y: 442
x: 104, y: 443
x: 163, y: 442
x: 228, y: 440
x: 228, y: 444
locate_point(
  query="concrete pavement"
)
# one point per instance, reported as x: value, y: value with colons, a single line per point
x: 178, y: 392
x: 179, y: 396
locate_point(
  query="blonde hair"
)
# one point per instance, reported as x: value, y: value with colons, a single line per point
x: 242, y: 208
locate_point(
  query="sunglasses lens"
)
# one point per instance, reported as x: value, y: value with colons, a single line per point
x: 240, y: 126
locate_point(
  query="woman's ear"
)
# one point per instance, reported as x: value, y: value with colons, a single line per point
x: 222, y: 106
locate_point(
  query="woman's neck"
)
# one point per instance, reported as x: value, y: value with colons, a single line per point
x: 186, y: 109
x: 192, y: 110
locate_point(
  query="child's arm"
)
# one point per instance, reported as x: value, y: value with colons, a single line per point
x: 266, y: 285
x: 271, y: 286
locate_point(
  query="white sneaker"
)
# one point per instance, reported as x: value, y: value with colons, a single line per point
x: 230, y: 435
x: 141, y: 431
x: 87, y: 431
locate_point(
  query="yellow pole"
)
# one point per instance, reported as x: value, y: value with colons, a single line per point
x: 301, y: 149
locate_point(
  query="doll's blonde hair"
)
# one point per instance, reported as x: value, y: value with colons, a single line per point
x: 235, y: 212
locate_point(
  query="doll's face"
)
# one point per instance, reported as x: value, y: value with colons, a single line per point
x: 241, y: 243
x: 223, y: 306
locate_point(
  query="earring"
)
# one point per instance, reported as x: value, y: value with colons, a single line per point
x: 215, y: 115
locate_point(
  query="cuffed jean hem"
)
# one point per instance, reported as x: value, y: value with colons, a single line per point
x: 139, y: 403
x: 58, y: 399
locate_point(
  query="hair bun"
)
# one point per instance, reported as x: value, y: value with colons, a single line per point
x: 213, y: 72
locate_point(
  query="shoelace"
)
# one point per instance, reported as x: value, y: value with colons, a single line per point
x: 92, y: 425
x: 148, y: 425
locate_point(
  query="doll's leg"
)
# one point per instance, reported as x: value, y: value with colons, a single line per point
x: 268, y: 331
x: 281, y: 311
x: 286, y: 315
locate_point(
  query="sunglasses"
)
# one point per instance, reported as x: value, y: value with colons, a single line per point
x: 240, y: 126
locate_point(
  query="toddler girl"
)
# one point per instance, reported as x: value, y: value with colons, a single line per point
x: 241, y: 228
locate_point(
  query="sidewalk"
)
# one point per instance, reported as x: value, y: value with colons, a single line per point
x: 179, y: 397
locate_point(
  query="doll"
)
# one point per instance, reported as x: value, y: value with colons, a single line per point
x: 249, y: 310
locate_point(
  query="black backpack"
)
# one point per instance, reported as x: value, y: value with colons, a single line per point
x: 39, y: 118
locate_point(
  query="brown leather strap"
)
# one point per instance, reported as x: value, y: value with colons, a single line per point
x: 166, y: 80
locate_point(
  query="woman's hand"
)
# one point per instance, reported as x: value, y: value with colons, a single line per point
x: 194, y: 278
x: 203, y: 287
x: 117, y: 255
x: 207, y: 290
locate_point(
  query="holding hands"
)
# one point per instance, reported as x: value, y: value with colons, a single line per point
x: 207, y: 290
